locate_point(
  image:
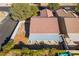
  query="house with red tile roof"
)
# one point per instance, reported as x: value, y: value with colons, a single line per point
x: 68, y: 24
x: 44, y: 29
x: 72, y: 32
x: 72, y: 27
x: 65, y: 14
x: 46, y: 13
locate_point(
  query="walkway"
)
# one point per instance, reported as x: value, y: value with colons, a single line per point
x: 20, y: 35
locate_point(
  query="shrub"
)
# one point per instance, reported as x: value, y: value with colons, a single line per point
x: 16, y: 52
x: 53, y: 6
x: 77, y: 8
x: 26, y: 52
x: 8, y: 46
x: 34, y: 10
x: 2, y: 54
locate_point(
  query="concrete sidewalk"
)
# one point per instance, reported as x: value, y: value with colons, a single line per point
x: 73, y: 51
x: 5, y: 14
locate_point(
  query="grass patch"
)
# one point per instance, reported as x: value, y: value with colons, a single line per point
x: 75, y: 54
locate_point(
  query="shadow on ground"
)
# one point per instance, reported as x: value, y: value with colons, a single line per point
x: 34, y: 46
x: 42, y: 7
x: 27, y: 27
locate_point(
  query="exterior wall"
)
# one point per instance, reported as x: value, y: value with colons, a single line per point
x: 45, y: 37
x: 16, y: 29
x: 74, y: 36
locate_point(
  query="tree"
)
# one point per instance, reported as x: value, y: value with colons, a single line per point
x: 8, y: 46
x: 25, y: 52
x: 34, y: 10
x: 53, y: 6
x: 77, y: 8
x: 22, y: 11
x: 16, y: 52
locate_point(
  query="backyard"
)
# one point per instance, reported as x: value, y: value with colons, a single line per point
x: 20, y: 35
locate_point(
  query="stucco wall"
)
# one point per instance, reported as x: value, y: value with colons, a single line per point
x: 44, y: 37
x: 74, y: 36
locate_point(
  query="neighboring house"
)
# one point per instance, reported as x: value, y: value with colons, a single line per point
x: 44, y: 29
x: 72, y: 27
x: 46, y: 13
x: 68, y: 24
x: 65, y: 14
x: 69, y: 21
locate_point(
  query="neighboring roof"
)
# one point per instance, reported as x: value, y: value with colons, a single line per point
x: 46, y: 12
x: 64, y: 13
x: 72, y: 25
x: 44, y: 25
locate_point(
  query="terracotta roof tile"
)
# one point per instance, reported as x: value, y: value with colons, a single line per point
x: 72, y: 25
x: 44, y: 25
x: 62, y: 13
x: 46, y: 12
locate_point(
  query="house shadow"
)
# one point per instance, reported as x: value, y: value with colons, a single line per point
x: 44, y: 46
x: 73, y: 47
x: 38, y: 13
x: 21, y: 45
x: 27, y: 27
x: 42, y: 7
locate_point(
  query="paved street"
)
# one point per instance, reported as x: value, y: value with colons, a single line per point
x: 4, y: 9
x: 6, y: 28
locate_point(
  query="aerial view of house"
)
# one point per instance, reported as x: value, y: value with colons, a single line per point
x: 39, y: 29
x: 44, y: 29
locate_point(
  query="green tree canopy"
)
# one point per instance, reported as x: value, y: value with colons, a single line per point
x: 53, y: 6
x: 77, y: 8
x: 22, y: 11
x: 8, y: 46
x: 34, y: 10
